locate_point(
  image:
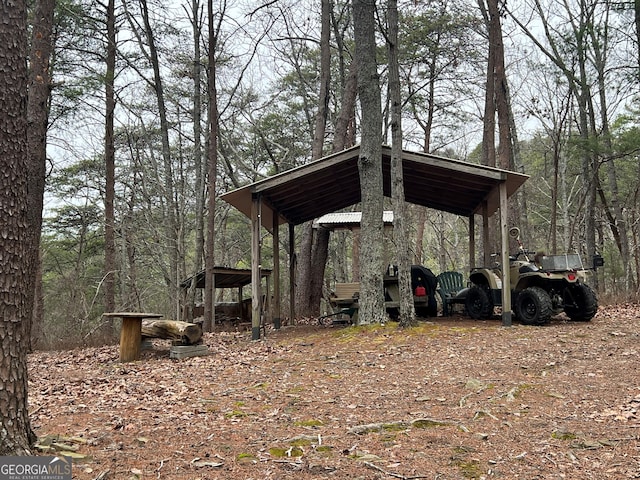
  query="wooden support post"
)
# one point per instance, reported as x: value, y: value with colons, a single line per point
x: 506, y: 277
x: 486, y: 256
x: 292, y: 274
x: 472, y: 243
x: 276, y: 270
x: 256, y: 290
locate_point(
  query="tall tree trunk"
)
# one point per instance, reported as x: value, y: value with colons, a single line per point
x: 492, y: 22
x: 400, y: 233
x: 110, y: 168
x: 343, y: 137
x: 212, y: 161
x: 315, y: 243
x: 16, y: 241
x: 197, y: 156
x: 636, y: 7
x: 506, y: 134
x: 170, y: 208
x: 489, y: 121
x: 369, y: 165
x: 587, y: 133
x: 38, y: 119
x: 427, y: 127
x: 619, y: 224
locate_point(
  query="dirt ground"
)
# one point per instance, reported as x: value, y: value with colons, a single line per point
x: 450, y: 399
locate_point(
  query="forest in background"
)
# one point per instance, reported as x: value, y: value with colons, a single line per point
x: 572, y: 71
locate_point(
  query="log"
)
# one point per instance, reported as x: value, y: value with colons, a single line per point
x: 188, y: 333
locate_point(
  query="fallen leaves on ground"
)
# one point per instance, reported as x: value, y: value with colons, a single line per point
x: 449, y: 399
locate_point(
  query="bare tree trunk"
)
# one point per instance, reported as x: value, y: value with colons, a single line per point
x: 37, y: 118
x: 110, y: 168
x: 637, y: 22
x: 489, y: 122
x: 325, y: 81
x: 618, y: 222
x: 370, y: 165
x: 197, y: 155
x: 400, y: 233
x: 170, y: 213
x: 343, y: 137
x: 493, y: 104
x: 315, y: 243
x: 212, y: 157
x: 16, y: 242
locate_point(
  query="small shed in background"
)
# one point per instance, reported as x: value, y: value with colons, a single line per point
x: 225, y: 277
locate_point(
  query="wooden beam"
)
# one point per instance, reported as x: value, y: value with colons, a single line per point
x: 256, y: 284
x: 486, y: 254
x: 292, y: 274
x: 276, y: 271
x: 472, y: 243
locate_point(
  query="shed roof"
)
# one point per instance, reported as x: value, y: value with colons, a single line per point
x: 333, y: 183
x: 347, y: 220
x: 225, y: 277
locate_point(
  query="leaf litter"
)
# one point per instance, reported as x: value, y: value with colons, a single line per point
x: 450, y: 399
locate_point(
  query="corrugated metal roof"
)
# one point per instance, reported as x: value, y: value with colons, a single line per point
x: 338, y: 220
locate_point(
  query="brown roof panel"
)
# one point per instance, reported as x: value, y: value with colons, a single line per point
x: 333, y: 183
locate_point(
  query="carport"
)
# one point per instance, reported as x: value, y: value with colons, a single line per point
x: 332, y: 183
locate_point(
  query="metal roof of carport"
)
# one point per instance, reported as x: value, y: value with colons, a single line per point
x: 333, y: 183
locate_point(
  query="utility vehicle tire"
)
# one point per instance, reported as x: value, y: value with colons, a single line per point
x: 477, y: 303
x: 533, y: 306
x: 580, y: 302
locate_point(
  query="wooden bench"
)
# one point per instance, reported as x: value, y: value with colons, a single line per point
x: 131, y: 333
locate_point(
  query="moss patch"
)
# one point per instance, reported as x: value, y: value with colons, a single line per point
x: 428, y: 423
x: 562, y: 435
x: 278, y: 452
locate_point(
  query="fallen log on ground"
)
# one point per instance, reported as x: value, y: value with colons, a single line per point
x: 188, y: 333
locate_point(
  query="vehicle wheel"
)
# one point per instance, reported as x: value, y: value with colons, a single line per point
x: 533, y: 306
x: 477, y: 303
x: 580, y: 302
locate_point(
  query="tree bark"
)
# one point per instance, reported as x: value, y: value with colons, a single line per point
x: 200, y: 172
x: 400, y: 233
x: 186, y: 332
x: 110, y: 168
x: 170, y: 208
x: 369, y: 165
x: 489, y: 121
x: 212, y: 162
x: 618, y: 224
x: 314, y: 246
x: 38, y: 119
x: 16, y: 238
